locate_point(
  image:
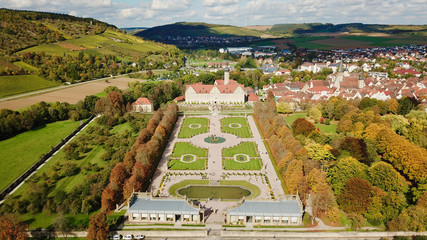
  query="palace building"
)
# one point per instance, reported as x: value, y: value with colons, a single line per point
x: 223, y: 91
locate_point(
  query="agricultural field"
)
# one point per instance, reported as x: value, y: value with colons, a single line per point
x: 21, y: 151
x: 252, y: 164
x: 27, y: 67
x: 193, y: 126
x: 248, y: 148
x: 12, y: 85
x: 109, y: 42
x: 71, y: 94
x: 236, y: 125
x: 182, y: 148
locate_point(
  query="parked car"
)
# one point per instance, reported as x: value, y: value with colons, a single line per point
x: 139, y: 237
x: 128, y: 237
x: 116, y: 237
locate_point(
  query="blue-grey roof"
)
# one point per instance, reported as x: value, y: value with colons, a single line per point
x: 277, y: 208
x: 166, y: 206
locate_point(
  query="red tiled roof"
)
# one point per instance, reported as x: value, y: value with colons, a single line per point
x: 142, y: 101
x: 179, y: 99
x: 221, y: 82
x: 252, y: 97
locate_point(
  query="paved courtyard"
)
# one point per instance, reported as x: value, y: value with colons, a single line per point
x: 214, y: 171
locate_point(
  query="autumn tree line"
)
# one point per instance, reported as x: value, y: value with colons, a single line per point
x: 368, y: 169
x: 134, y: 172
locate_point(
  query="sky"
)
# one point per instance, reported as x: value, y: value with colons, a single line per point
x: 149, y: 13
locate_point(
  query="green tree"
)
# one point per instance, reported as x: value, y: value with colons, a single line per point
x: 344, y: 169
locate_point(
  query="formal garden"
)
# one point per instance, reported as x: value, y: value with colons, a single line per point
x: 186, y: 156
x: 236, y: 125
x: 193, y: 126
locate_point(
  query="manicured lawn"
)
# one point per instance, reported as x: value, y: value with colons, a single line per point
x: 193, y: 126
x: 175, y: 187
x: 21, y: 151
x: 253, y: 164
x: 176, y: 164
x: 187, y: 132
x: 229, y: 120
x: 190, y: 120
x: 291, y: 118
x: 248, y: 148
x: 12, y: 85
x: 255, y: 190
x: 242, y: 131
x: 182, y: 148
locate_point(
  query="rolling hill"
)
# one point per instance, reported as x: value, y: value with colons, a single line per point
x: 197, y: 29
x: 36, y: 47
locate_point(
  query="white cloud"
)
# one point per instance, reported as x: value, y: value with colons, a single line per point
x: 172, y: 5
x: 73, y: 13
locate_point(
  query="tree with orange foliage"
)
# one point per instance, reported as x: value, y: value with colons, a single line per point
x: 302, y: 126
x: 108, y: 199
x: 98, y: 228
x: 118, y: 175
x: 11, y: 228
x: 356, y: 196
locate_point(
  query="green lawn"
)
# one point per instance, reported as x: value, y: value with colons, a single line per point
x: 242, y: 131
x: 190, y: 120
x: 12, y: 85
x: 176, y: 186
x: 230, y: 120
x: 176, y: 164
x: 255, y: 190
x: 253, y: 164
x: 332, y: 128
x: 21, y: 151
x: 248, y: 148
x: 187, y: 132
x: 291, y: 118
x: 182, y: 148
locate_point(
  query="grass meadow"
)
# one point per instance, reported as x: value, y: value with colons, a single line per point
x: 230, y: 120
x: 12, y: 85
x: 21, y: 151
x: 248, y: 148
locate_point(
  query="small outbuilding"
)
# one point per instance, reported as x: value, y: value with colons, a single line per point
x: 142, y: 104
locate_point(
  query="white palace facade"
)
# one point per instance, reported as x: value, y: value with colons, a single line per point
x: 225, y: 91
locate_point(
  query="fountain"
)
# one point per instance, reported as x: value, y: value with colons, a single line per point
x: 214, y: 139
